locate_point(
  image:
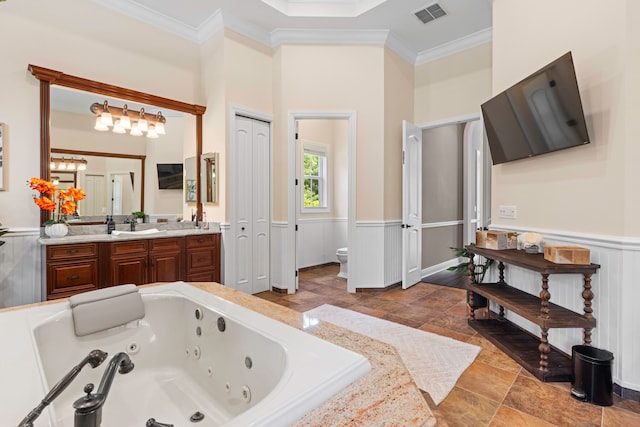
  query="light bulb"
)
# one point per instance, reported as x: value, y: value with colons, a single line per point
x: 142, y: 122
x: 160, y: 128
x: 82, y: 166
x: 100, y: 126
x: 125, y: 121
x: 117, y: 127
x: 135, y: 130
x: 151, y: 133
x: 105, y: 117
x: 52, y: 165
x: 71, y: 166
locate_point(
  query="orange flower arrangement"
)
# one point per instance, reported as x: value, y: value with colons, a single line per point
x: 64, y: 202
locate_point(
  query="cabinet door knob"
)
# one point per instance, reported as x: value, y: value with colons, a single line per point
x: 242, y: 228
x: 74, y: 277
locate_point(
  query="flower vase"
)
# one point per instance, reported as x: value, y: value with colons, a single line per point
x: 56, y: 230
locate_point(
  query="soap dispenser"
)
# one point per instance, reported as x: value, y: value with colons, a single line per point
x: 111, y: 225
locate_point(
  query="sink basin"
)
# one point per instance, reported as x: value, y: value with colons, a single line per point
x: 151, y: 231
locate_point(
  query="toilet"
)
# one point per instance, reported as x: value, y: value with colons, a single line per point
x: 342, y: 257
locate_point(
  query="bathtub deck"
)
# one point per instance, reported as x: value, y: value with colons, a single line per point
x: 385, y: 396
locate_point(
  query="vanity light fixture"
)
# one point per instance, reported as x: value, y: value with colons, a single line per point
x: 70, y: 164
x: 122, y: 120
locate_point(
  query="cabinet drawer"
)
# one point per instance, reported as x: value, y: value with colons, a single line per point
x: 129, y: 247
x: 200, y: 259
x: 202, y: 241
x: 170, y: 244
x: 65, y: 252
x: 205, y: 276
x: 67, y: 278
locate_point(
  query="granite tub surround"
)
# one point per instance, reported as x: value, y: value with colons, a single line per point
x: 386, y: 396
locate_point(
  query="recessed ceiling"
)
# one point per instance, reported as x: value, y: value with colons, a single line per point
x: 323, y: 8
x: 289, y: 21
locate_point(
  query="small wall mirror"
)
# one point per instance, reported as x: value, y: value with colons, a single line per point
x: 190, y: 180
x: 209, y: 178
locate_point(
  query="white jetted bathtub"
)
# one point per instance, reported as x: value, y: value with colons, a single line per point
x: 251, y: 371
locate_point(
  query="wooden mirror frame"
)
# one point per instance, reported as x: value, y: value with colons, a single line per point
x: 47, y: 77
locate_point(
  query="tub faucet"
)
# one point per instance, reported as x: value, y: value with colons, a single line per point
x: 94, y: 358
x: 89, y: 408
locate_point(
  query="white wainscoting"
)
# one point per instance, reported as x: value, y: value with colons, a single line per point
x: 614, y: 305
x: 319, y: 239
x: 20, y: 268
x: 379, y: 253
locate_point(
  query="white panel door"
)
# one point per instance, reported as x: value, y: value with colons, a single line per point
x: 411, y: 204
x: 252, y: 214
x: 95, y: 202
x: 261, y: 218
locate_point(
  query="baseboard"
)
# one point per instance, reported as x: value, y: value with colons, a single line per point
x: 626, y: 393
x: 313, y: 267
x: 379, y: 290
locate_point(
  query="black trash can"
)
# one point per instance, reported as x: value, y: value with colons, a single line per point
x: 592, y: 375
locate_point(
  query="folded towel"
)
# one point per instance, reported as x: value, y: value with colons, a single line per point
x: 116, y: 233
x: 106, y: 308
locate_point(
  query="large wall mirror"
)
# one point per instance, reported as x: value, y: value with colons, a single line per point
x: 128, y: 163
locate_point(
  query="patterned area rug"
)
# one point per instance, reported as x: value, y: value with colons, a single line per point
x: 435, y: 362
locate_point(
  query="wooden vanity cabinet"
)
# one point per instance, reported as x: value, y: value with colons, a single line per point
x: 126, y: 262
x: 75, y: 268
x: 165, y: 259
x: 203, y: 258
x: 71, y: 269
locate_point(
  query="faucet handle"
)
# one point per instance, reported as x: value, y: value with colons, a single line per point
x: 88, y: 389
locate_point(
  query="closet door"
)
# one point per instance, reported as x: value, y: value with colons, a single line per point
x: 252, y: 205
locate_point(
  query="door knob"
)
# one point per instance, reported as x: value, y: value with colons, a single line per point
x: 242, y: 228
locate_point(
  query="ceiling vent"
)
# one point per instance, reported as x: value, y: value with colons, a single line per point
x: 430, y: 13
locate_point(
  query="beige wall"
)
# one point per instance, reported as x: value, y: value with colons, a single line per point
x: 398, y: 106
x: 237, y: 71
x: 334, y: 135
x: 333, y: 78
x: 49, y: 35
x: 589, y: 188
x: 454, y: 85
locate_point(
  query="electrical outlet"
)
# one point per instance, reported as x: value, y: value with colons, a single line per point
x: 505, y: 211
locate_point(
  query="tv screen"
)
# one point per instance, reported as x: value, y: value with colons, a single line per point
x: 537, y: 115
x: 170, y: 176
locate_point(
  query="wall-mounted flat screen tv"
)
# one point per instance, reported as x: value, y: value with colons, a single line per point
x: 170, y: 176
x: 537, y: 115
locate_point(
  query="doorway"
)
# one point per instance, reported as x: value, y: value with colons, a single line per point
x: 342, y: 124
x: 443, y: 191
x: 322, y: 191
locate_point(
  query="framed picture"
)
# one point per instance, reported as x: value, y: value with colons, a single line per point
x: 3, y: 157
x: 190, y: 194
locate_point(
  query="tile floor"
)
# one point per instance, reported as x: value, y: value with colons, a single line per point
x: 494, y: 390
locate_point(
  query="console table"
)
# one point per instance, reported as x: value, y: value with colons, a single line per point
x: 534, y: 353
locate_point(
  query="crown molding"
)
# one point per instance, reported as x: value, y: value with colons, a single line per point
x: 455, y: 46
x: 305, y: 36
x: 217, y: 23
x: 212, y: 26
x: 400, y: 47
x: 151, y: 17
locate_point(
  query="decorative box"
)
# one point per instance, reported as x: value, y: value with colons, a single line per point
x: 567, y: 255
x: 498, y: 240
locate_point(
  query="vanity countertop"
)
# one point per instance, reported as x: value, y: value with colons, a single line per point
x: 386, y: 396
x: 104, y: 237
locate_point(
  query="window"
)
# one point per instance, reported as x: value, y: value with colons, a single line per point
x: 314, y: 171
